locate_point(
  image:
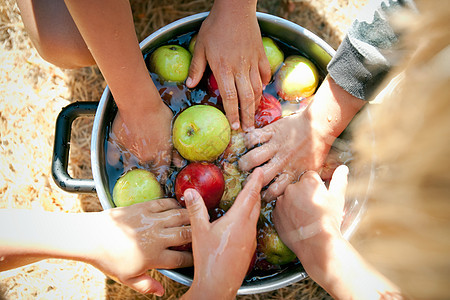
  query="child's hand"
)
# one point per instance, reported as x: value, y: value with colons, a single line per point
x: 230, y: 41
x: 137, y: 238
x: 148, y: 137
x: 290, y: 146
x: 223, y: 249
x: 308, y: 208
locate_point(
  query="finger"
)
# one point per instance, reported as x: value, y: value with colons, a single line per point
x: 278, y: 187
x: 246, y: 100
x: 339, y: 181
x: 264, y: 69
x: 159, y: 205
x: 177, y: 236
x: 255, y: 79
x: 275, y: 166
x: 258, y: 136
x: 175, y: 217
x: 173, y: 259
x: 249, y: 196
x: 197, y: 67
x: 256, y: 157
x: 198, y: 214
x: 145, y: 284
x: 227, y: 90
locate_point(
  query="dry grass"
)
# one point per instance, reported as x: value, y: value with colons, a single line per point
x: 32, y: 93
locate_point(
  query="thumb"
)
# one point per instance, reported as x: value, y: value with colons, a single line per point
x: 145, y: 284
x: 338, y: 183
x: 197, y: 67
x: 198, y: 214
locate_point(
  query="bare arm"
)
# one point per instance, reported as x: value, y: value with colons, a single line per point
x: 122, y: 242
x: 308, y: 219
x: 107, y: 28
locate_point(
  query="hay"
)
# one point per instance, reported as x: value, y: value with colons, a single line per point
x: 32, y: 93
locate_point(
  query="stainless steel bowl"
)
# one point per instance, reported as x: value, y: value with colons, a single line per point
x: 284, y: 30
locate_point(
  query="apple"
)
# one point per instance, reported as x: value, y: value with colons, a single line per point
x: 236, y: 147
x: 268, y: 111
x: 136, y: 186
x: 234, y: 180
x: 171, y: 63
x: 275, y: 251
x: 212, y: 86
x: 201, y: 133
x: 273, y: 53
x: 206, y: 178
x: 297, y: 78
x: 192, y: 42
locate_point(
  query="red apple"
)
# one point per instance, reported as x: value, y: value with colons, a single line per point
x: 268, y: 111
x: 213, y: 87
x: 206, y: 178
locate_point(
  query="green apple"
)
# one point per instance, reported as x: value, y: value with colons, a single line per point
x: 297, y: 78
x: 192, y: 44
x: 274, y: 249
x: 234, y: 179
x: 236, y: 148
x: 201, y: 133
x: 136, y: 186
x: 171, y: 63
x: 273, y: 53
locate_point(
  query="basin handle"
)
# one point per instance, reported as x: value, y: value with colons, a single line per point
x: 61, y: 147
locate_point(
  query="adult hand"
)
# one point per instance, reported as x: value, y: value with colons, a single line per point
x: 230, y: 41
x: 290, y: 146
x: 301, y: 141
x: 223, y: 249
x: 137, y: 238
x: 308, y: 208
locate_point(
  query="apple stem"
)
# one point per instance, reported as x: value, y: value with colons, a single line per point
x: 192, y: 129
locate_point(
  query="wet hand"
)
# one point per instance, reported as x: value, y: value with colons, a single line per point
x: 138, y: 237
x: 148, y: 136
x: 308, y: 208
x: 290, y: 146
x: 230, y: 42
x: 223, y: 249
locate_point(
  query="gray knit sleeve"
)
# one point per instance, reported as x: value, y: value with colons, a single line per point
x: 368, y: 51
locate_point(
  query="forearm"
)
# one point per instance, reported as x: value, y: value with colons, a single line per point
x: 235, y: 7
x: 28, y: 236
x: 108, y: 29
x: 332, y: 109
x: 341, y: 271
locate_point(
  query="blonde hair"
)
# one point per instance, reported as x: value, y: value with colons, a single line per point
x: 406, y: 230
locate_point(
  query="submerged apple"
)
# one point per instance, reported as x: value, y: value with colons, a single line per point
x: 192, y: 42
x: 275, y: 251
x: 268, y: 111
x: 234, y: 180
x: 201, y: 133
x: 212, y: 86
x: 273, y: 53
x: 136, y: 186
x: 171, y: 63
x: 206, y: 178
x: 297, y: 78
